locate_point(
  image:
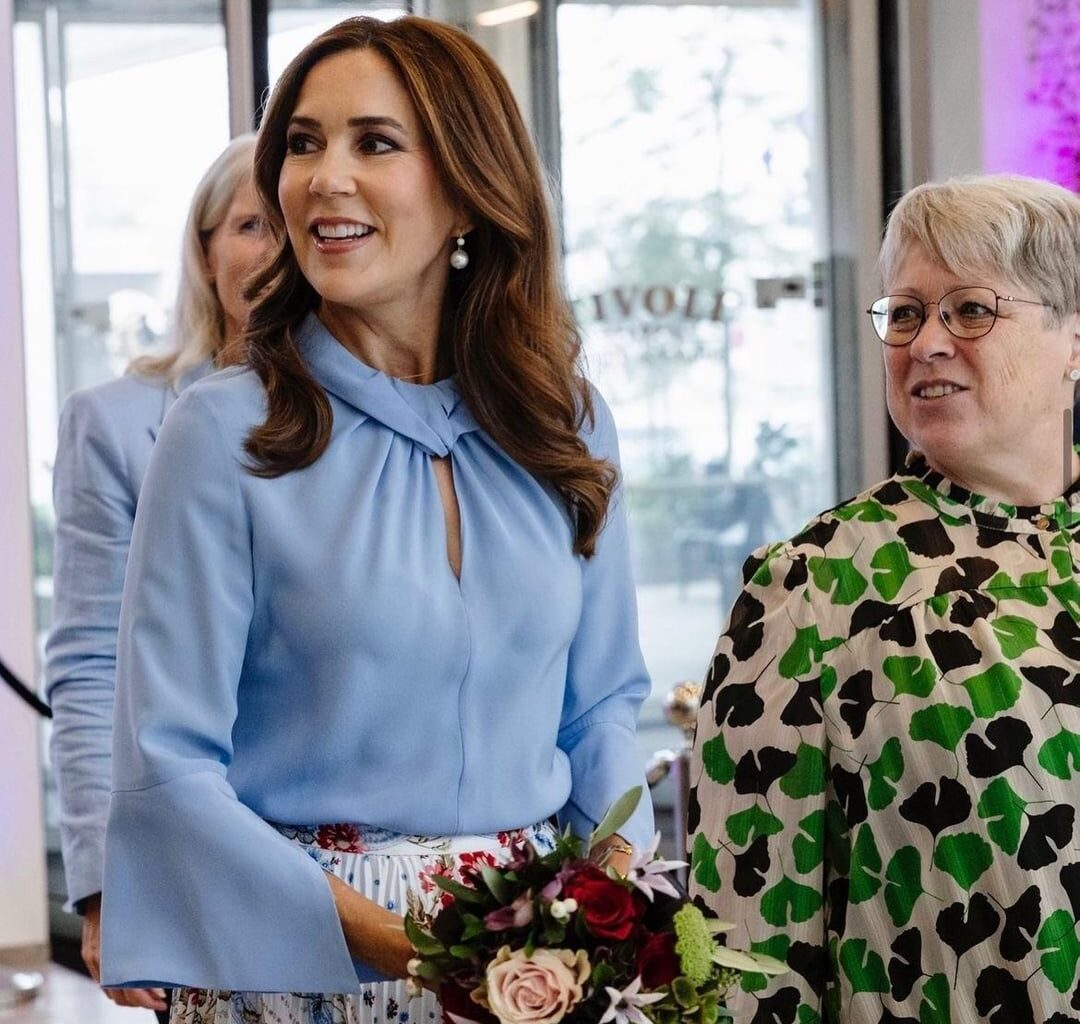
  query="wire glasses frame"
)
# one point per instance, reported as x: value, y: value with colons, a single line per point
x: 967, y: 312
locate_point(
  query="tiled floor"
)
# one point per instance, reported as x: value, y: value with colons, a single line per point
x: 70, y: 998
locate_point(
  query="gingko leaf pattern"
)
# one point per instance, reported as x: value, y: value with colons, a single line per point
x: 965, y: 856
x: 865, y: 870
x: 717, y: 762
x: 934, y: 1007
x: 1016, y: 635
x: 869, y: 511
x: 705, y: 854
x: 849, y: 583
x: 1060, y: 755
x: 1005, y: 809
x: 1058, y: 935
x: 864, y: 968
x: 789, y: 902
x: 747, y: 825
x: 809, y: 844
x: 943, y: 724
x: 885, y: 771
x: 904, y: 875
x: 892, y: 567
x: 994, y: 690
x: 910, y: 675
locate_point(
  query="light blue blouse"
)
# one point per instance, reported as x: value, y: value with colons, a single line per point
x: 299, y: 650
x: 106, y: 436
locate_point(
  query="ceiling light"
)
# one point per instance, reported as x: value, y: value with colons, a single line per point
x: 512, y: 12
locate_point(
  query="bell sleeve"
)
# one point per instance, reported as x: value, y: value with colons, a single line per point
x: 758, y: 811
x: 199, y: 891
x: 607, y: 680
x: 95, y: 507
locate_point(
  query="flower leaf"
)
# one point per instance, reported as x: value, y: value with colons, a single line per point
x: 683, y: 990
x: 740, y: 961
x: 428, y: 971
x: 423, y: 943
x: 617, y: 816
x: 472, y: 929
x: 500, y: 888
x: 457, y: 890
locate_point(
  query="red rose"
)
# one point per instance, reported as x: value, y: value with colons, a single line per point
x: 657, y: 962
x: 454, y: 999
x: 610, y: 910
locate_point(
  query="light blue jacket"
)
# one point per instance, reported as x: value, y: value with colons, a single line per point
x: 298, y: 650
x: 106, y: 436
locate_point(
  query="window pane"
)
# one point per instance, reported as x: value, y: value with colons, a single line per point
x: 116, y: 122
x: 293, y: 25
x: 165, y: 86
x: 691, y: 241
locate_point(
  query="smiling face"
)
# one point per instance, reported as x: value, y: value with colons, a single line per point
x: 234, y: 249
x: 984, y: 411
x: 368, y: 219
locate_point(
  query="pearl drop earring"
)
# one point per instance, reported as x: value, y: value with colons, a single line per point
x: 1074, y: 374
x: 459, y: 258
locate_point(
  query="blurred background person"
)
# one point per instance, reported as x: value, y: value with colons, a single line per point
x: 886, y: 754
x: 106, y: 436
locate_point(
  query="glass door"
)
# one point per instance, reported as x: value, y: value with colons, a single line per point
x: 119, y: 111
x: 692, y: 235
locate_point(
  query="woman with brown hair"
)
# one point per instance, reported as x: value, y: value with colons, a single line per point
x: 384, y: 618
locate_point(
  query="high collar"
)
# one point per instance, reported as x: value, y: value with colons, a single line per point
x: 950, y: 498
x: 433, y: 416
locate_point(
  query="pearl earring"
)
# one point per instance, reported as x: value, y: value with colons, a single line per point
x: 459, y: 258
x: 1074, y: 374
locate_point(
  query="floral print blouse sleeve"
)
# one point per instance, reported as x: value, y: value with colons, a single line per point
x: 884, y: 777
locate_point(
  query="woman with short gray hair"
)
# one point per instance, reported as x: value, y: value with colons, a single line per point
x: 884, y: 772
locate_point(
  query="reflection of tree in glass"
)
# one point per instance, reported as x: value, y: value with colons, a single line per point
x: 695, y: 198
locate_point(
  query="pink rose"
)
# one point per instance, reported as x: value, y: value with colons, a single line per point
x: 537, y: 989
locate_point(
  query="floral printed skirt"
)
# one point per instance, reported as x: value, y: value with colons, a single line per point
x: 392, y: 869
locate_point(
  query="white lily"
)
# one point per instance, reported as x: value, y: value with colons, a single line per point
x: 626, y: 1005
x: 649, y: 875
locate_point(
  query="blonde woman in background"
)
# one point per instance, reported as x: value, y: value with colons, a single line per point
x: 106, y: 436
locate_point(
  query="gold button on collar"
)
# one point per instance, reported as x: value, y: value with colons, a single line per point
x: 1041, y: 522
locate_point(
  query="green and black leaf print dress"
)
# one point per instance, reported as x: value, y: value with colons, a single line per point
x: 887, y: 764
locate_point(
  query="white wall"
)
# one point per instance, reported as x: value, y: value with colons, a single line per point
x: 23, y: 909
x: 953, y: 65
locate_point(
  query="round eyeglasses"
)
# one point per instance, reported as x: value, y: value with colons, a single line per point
x: 968, y: 312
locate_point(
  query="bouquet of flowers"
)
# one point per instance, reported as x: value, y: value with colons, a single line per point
x: 554, y: 937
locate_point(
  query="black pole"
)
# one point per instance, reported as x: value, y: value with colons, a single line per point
x: 260, y: 56
x: 892, y: 154
x: 23, y: 691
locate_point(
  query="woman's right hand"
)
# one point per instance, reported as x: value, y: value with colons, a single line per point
x: 150, y: 998
x: 374, y: 935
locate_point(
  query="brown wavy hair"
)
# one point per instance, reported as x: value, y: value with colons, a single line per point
x: 507, y: 330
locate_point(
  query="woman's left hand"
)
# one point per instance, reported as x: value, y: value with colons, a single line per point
x: 374, y: 935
